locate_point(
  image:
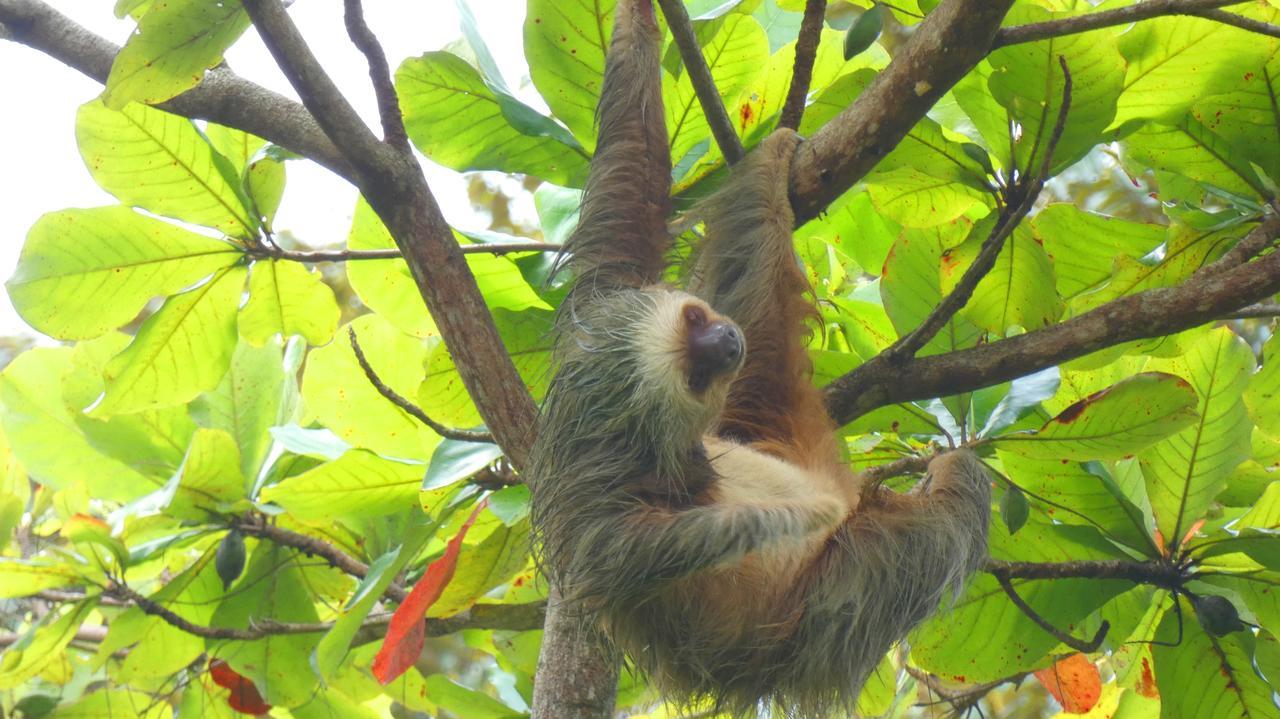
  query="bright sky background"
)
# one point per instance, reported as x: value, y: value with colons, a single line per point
x: 41, y: 170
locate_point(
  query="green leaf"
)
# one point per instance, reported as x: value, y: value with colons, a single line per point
x: 985, y: 637
x: 1206, y: 676
x: 465, y: 702
x: 286, y: 298
x: 359, y: 414
x: 864, y: 31
x: 1113, y: 423
x: 1188, y: 148
x: 179, y: 352
x: 113, y: 704
x: 238, y: 146
x: 1015, y: 292
x: 1245, y: 118
x: 481, y: 568
x: 932, y: 150
x: 565, y: 43
x: 1082, y: 245
x: 359, y: 483
x: 910, y: 286
x: 43, y: 645
x: 510, y: 504
x: 1186, y: 471
x: 458, y: 122
x: 525, y: 335
x: 22, y: 578
x: 44, y: 434
x: 175, y: 42
x: 85, y: 272
x: 1028, y: 80
x: 1174, y: 60
x: 914, y: 198
x: 1262, y: 398
x: 248, y: 401
x: 265, y: 184
x: 161, y: 163
x: 210, y: 477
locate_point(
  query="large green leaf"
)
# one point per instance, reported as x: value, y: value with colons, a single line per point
x: 1263, y: 396
x: 286, y: 298
x: 210, y: 478
x: 465, y: 702
x: 42, y: 646
x: 20, y: 578
x: 1083, y: 245
x: 910, y: 286
x: 250, y: 399
x: 458, y: 122
x: 337, y: 391
x: 1188, y: 148
x: 1246, y: 117
x: 1186, y: 471
x: 359, y: 483
x: 1028, y: 80
x: 985, y: 637
x: 1204, y: 676
x: 481, y: 568
x: 1174, y: 60
x: 45, y: 437
x: 179, y: 352
x: 914, y: 198
x: 86, y: 272
x: 1015, y: 293
x: 160, y: 162
x: 175, y: 42
x: 565, y: 42
x: 1113, y: 423
x: 237, y: 146
x: 114, y: 703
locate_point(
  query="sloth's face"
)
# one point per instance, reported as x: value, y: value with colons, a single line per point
x: 697, y: 350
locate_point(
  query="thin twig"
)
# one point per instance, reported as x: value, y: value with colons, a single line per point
x: 1022, y: 197
x: 392, y: 253
x: 1240, y: 21
x: 462, y: 435
x: 384, y: 88
x: 1107, y: 18
x: 1077, y: 644
x: 959, y: 699
x: 313, y: 546
x: 815, y: 12
x: 1154, y: 572
x: 700, y: 75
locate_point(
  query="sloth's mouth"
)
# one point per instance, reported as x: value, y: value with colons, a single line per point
x: 715, y: 349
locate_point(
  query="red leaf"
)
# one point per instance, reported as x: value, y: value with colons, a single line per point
x: 244, y: 696
x: 408, y: 629
x: 1074, y: 682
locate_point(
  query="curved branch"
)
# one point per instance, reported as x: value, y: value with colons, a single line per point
x: 1107, y: 18
x: 946, y: 45
x: 700, y: 76
x: 815, y: 12
x: 384, y: 88
x: 336, y: 558
x: 222, y: 97
x: 1240, y: 21
x: 1205, y: 296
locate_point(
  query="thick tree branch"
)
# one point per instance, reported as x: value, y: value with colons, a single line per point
x: 1077, y: 644
x: 413, y: 410
x: 384, y: 88
x: 494, y: 248
x: 1107, y: 18
x: 1202, y: 298
x: 1156, y: 573
x: 700, y: 75
x: 391, y: 180
x: 946, y: 45
x: 222, y: 97
x: 815, y: 12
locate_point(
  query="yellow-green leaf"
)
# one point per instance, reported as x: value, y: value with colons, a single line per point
x: 85, y: 272
x: 359, y: 483
x: 288, y: 299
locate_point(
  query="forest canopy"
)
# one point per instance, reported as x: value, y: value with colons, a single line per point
x: 244, y: 474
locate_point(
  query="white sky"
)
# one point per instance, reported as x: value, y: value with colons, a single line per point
x: 41, y: 170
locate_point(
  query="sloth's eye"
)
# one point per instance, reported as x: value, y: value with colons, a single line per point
x: 694, y: 316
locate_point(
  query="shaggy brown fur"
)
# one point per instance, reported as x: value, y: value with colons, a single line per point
x: 711, y: 529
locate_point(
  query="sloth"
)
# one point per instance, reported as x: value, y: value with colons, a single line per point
x: 689, y: 494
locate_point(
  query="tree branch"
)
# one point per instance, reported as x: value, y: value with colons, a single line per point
x: 700, y: 75
x: 1156, y: 573
x: 946, y: 45
x: 1107, y: 18
x: 1077, y: 644
x: 492, y: 248
x: 815, y: 12
x: 1256, y: 312
x: 384, y: 88
x: 1240, y: 21
x: 1204, y: 297
x: 391, y: 180
x: 312, y: 546
x: 222, y: 96
x: 413, y: 410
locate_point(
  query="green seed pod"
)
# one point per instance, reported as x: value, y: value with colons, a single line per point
x: 229, y: 560
x: 863, y: 31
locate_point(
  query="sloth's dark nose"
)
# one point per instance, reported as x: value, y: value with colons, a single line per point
x: 716, y: 347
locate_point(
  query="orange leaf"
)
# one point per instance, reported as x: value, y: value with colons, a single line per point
x: 244, y: 695
x: 1074, y: 682
x: 408, y: 629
